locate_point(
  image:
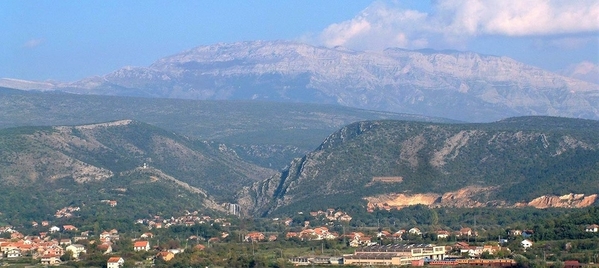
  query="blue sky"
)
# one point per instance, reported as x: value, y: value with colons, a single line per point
x: 70, y: 40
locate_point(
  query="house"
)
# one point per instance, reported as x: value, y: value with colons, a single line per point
x: 69, y: 228
x: 54, y: 229
x: 572, y: 264
x: 415, y: 231
x: 360, y: 241
x: 65, y: 242
x: 16, y: 235
x: 79, y: 238
x: 13, y: 253
x: 77, y: 249
x: 383, y: 234
x: 593, y: 228
x: 527, y: 233
x: 51, y: 249
x: 461, y: 245
x: 472, y: 251
x: 491, y: 249
x: 141, y: 246
x: 345, y: 218
x: 397, y: 235
x: 466, y: 232
x: 146, y: 235
x: 50, y: 260
x: 254, y: 237
x: 165, y: 255
x: 106, y: 248
x: 515, y: 232
x: 526, y: 243
x: 115, y: 262
x: 176, y: 250
x: 442, y: 234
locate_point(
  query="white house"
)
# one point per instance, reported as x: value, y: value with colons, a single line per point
x: 54, y: 229
x: 13, y: 253
x: 76, y: 249
x: 526, y: 243
x: 141, y: 246
x: 593, y: 228
x: 415, y: 231
x: 115, y: 262
x: 50, y: 260
x: 442, y: 234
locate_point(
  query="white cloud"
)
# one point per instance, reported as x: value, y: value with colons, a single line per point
x: 452, y: 23
x: 586, y: 71
x: 33, y: 43
x: 522, y: 18
x: 378, y: 26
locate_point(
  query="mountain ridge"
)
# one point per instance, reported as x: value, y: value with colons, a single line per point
x: 459, y: 85
x: 490, y: 164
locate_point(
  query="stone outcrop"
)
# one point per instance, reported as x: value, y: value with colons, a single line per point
x: 564, y: 201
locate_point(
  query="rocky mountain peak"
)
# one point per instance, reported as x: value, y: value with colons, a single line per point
x: 458, y: 85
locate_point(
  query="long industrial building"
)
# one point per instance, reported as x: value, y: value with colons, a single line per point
x: 394, y: 254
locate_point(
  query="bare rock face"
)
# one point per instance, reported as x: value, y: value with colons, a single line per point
x: 460, y: 198
x: 458, y: 85
x: 564, y: 201
x: 463, y: 198
x: 394, y: 164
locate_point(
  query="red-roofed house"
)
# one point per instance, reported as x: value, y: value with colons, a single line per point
x: 165, y: 255
x: 105, y: 248
x: 69, y: 228
x: 572, y: 264
x: 115, y: 262
x: 141, y: 246
x: 254, y: 237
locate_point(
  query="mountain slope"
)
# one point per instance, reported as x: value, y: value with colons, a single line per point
x: 502, y: 163
x: 269, y: 134
x: 458, y: 85
x: 95, y: 153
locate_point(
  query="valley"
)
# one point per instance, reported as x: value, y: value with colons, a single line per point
x: 257, y: 154
x: 116, y: 184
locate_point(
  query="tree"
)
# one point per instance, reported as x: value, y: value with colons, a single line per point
x: 67, y: 256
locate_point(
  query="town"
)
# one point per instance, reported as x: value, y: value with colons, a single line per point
x: 324, y: 237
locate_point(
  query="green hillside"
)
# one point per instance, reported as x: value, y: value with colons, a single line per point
x: 138, y: 194
x: 514, y: 160
x: 269, y: 134
x: 98, y: 152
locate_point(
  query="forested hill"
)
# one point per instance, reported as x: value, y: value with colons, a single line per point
x: 150, y: 167
x: 269, y: 134
x: 396, y: 163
